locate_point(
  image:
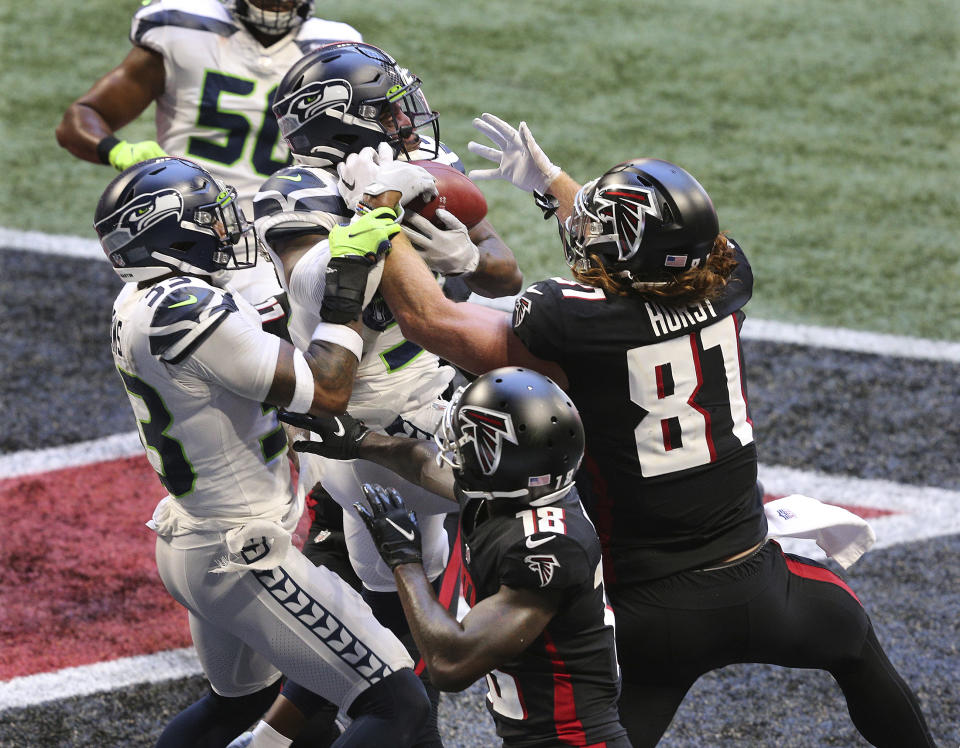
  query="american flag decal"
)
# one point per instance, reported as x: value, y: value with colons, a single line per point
x: 486, y: 429
x: 626, y: 207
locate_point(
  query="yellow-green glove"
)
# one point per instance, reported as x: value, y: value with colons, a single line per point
x: 355, y: 249
x: 124, y: 154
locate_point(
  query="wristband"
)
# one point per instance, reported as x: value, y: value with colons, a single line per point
x: 303, y: 392
x: 105, y: 146
x: 341, y: 335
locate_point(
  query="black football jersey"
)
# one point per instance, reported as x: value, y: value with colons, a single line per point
x: 563, y: 689
x: 671, y: 466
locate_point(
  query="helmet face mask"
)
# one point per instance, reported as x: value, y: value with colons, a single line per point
x: 170, y: 215
x: 512, y: 434
x: 271, y: 22
x: 645, y: 219
x: 346, y: 96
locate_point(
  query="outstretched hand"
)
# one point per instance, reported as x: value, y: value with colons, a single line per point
x: 520, y: 160
x: 394, y: 528
x: 339, y: 437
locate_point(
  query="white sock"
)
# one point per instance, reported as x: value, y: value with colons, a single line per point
x: 265, y: 736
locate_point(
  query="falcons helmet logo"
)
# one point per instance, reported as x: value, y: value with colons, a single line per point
x: 626, y: 207
x: 543, y: 565
x: 486, y: 429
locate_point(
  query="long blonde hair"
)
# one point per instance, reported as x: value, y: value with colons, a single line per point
x: 689, y: 287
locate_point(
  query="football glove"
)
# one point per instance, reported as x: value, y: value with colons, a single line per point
x: 354, y: 250
x: 394, y: 528
x: 449, y: 251
x: 339, y: 437
x: 373, y: 172
x: 124, y: 154
x: 520, y: 160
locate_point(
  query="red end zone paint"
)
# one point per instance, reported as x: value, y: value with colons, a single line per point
x: 77, y: 569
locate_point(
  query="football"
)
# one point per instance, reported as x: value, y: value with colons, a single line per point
x: 456, y: 193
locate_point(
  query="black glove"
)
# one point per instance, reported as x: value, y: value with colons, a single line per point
x: 394, y: 528
x: 340, y: 436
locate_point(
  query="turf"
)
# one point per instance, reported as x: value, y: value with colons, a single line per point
x: 825, y: 132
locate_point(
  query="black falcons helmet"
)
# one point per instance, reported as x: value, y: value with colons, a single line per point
x: 512, y: 434
x: 272, y: 22
x: 171, y: 214
x: 344, y: 97
x: 647, y: 217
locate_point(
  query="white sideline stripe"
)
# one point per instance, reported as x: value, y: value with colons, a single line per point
x: 103, y: 676
x: 837, y: 338
x: 28, y: 462
x: 51, y: 244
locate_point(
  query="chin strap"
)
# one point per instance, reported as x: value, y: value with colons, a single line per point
x: 547, y: 203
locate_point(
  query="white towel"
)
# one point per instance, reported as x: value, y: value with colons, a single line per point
x: 841, y: 534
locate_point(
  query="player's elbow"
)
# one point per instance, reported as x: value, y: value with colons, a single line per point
x: 451, y: 676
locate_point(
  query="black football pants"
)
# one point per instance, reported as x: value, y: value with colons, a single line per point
x: 772, y: 608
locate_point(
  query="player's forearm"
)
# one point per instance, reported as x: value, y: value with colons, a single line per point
x: 444, y: 645
x: 81, y: 130
x: 565, y: 189
x: 411, y: 459
x: 334, y: 369
x: 497, y: 273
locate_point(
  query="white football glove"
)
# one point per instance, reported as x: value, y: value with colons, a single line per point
x: 375, y: 172
x: 521, y: 161
x: 448, y: 251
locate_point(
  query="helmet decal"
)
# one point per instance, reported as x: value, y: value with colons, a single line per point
x: 543, y: 565
x: 140, y: 214
x: 486, y: 429
x: 314, y: 99
x: 626, y: 206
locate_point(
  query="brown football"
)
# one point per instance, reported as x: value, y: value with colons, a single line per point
x: 456, y: 193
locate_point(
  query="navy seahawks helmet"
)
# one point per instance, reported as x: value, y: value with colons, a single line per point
x: 512, y: 434
x: 276, y: 19
x: 646, y: 219
x: 346, y: 96
x: 170, y: 214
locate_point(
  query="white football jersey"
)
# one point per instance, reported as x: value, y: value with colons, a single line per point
x: 220, y: 82
x: 196, y: 366
x: 395, y: 377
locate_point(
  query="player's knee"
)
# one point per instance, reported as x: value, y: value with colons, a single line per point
x: 399, y: 698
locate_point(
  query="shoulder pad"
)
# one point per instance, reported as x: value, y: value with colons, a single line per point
x: 205, y: 15
x: 183, y: 317
x: 299, y: 188
x: 315, y: 32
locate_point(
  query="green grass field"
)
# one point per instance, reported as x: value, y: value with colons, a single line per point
x: 825, y: 131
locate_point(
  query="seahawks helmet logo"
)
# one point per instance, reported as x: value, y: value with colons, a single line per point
x: 626, y: 207
x: 486, y: 429
x: 140, y: 214
x: 313, y: 100
x: 543, y: 565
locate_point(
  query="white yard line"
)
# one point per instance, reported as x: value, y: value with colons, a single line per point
x: 103, y: 676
